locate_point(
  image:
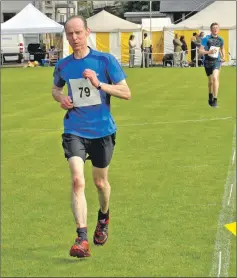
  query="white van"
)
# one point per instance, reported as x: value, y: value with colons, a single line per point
x: 12, y: 48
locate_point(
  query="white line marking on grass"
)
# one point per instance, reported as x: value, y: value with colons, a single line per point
x: 231, y: 187
x: 191, y: 205
x: 223, y: 239
x: 193, y: 166
x: 233, y: 158
x: 219, y: 266
x: 177, y: 122
x: 121, y: 125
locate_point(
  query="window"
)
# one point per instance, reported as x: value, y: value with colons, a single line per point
x: 49, y: 2
x: 7, y: 16
x: 61, y: 17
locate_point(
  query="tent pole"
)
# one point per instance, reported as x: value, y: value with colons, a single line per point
x: 196, y: 57
x: 150, y: 19
x: 151, y: 30
x: 68, y: 9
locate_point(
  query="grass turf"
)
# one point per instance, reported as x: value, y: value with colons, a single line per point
x: 167, y: 176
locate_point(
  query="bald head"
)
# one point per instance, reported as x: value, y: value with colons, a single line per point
x: 76, y: 18
x: 77, y: 33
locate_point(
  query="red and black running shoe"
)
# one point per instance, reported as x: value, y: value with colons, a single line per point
x: 101, y: 232
x: 80, y: 249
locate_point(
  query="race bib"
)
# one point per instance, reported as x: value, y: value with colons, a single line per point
x: 215, y: 55
x: 84, y: 93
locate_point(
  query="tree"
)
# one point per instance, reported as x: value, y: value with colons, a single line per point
x: 121, y: 7
x: 85, y: 8
x: 138, y: 6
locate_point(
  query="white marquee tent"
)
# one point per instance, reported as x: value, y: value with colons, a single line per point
x: 157, y: 24
x: 107, y: 22
x: 30, y: 21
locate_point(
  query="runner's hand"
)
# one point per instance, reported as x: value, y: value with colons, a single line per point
x: 66, y: 102
x: 91, y: 75
x: 213, y: 51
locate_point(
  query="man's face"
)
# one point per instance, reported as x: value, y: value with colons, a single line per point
x: 202, y: 35
x: 215, y: 30
x: 76, y: 34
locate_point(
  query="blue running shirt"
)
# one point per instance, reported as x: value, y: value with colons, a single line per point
x: 210, y: 42
x: 90, y: 118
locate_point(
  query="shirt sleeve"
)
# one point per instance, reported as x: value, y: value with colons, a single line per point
x: 222, y: 42
x: 204, y: 42
x: 58, y: 80
x: 115, y: 71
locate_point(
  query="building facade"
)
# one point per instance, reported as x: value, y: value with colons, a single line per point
x: 136, y: 17
x: 56, y: 10
x: 179, y: 10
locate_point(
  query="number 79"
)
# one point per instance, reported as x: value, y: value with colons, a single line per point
x: 86, y: 90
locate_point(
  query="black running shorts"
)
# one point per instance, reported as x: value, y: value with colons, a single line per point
x: 211, y: 66
x: 99, y: 150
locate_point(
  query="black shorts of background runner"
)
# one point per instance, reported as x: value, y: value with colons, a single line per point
x: 210, y: 66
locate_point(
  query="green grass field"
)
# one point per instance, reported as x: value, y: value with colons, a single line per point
x: 171, y: 165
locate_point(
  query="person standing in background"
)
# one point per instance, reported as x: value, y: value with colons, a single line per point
x: 146, y: 48
x: 185, y: 51
x: 132, y: 47
x: 199, y: 41
x: 194, y: 44
x: 177, y: 50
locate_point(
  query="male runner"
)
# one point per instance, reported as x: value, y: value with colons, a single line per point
x: 212, y: 48
x: 89, y: 129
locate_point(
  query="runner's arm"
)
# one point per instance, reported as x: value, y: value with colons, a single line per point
x: 57, y: 93
x: 120, y: 89
x: 66, y: 101
x: 222, y: 52
x: 202, y: 51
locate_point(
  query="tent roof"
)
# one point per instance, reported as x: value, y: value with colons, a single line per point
x: 157, y: 24
x: 107, y: 22
x: 212, y: 13
x: 30, y: 21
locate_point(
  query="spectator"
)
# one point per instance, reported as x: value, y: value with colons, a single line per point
x: 199, y: 40
x: 184, y: 52
x: 194, y: 44
x: 177, y: 50
x: 146, y: 48
x: 168, y: 59
x: 132, y: 46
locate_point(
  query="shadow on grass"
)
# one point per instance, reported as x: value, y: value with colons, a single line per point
x: 58, y: 257
x: 61, y: 260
